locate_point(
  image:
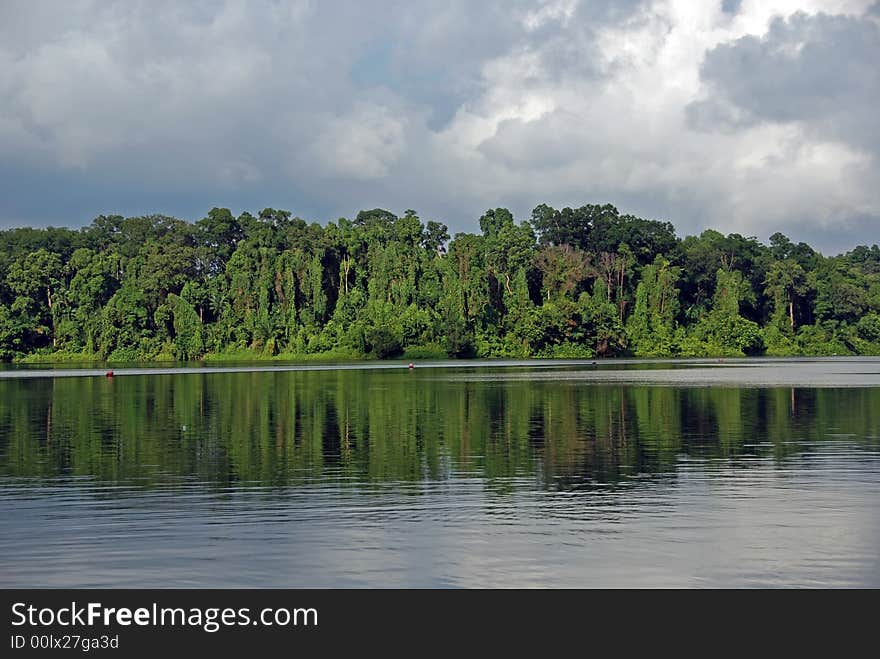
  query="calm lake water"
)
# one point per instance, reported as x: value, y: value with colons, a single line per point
x: 456, y: 474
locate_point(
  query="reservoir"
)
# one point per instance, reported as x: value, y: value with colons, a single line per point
x: 703, y: 473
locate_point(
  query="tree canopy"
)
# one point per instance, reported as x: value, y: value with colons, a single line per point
x: 584, y: 282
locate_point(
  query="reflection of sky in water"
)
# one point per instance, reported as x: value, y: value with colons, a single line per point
x: 811, y: 524
x: 247, y: 480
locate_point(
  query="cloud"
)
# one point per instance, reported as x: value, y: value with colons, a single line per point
x: 746, y: 116
x: 819, y: 70
x: 363, y: 144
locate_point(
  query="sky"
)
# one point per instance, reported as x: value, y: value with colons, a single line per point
x: 747, y: 116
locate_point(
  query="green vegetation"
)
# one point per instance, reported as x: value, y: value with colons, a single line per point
x: 580, y: 282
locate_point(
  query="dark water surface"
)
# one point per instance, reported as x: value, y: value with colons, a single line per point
x: 711, y: 473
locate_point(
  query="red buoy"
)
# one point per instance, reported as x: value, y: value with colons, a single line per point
x: 108, y: 374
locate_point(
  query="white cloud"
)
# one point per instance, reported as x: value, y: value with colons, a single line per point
x: 447, y: 109
x: 626, y: 135
x: 363, y: 144
x: 549, y: 11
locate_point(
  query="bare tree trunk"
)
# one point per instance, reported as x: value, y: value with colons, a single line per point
x: 346, y: 268
x: 52, y: 315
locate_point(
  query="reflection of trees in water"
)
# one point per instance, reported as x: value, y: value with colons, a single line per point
x: 387, y: 427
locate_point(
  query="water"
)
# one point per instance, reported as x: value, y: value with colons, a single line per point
x: 701, y: 473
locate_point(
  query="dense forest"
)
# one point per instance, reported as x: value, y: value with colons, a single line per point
x: 575, y: 282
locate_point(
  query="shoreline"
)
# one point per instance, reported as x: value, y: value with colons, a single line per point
x: 833, y: 372
x: 73, y: 360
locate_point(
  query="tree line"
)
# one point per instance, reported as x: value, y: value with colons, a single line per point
x: 571, y: 282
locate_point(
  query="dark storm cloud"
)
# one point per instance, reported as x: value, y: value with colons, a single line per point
x: 241, y: 98
x: 730, y: 6
x: 446, y: 107
x: 820, y: 70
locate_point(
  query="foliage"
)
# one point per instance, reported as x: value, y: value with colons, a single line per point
x: 576, y: 282
x: 723, y: 331
x: 652, y: 325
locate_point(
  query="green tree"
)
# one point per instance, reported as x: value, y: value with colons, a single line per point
x: 651, y: 328
x: 38, y: 276
x: 786, y: 284
x: 723, y: 331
